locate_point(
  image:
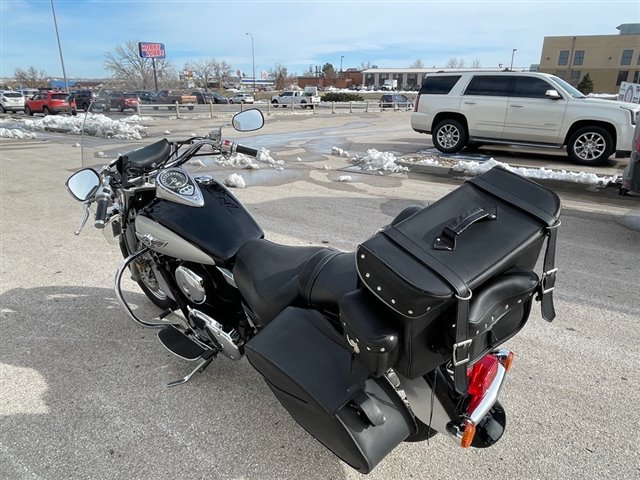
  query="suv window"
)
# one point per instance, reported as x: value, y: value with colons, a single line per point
x: 530, y: 87
x: 490, y: 85
x: 439, y: 85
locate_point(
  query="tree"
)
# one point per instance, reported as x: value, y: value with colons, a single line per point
x: 367, y: 65
x: 417, y: 64
x: 206, y: 71
x: 279, y: 74
x: 31, y: 78
x: 125, y: 64
x: 586, y: 85
x: 455, y: 63
x: 475, y: 64
x: 328, y: 70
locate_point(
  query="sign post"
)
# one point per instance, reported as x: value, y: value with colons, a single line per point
x: 152, y: 51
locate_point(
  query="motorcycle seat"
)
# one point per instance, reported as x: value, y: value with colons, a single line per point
x: 148, y: 155
x: 267, y: 275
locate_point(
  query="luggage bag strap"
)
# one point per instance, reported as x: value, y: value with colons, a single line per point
x: 461, y: 347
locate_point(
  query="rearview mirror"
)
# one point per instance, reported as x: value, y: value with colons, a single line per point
x: 248, y: 120
x: 83, y: 184
x: 552, y: 94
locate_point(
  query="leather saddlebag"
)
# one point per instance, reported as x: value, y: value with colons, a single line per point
x: 310, y: 369
x: 426, y: 268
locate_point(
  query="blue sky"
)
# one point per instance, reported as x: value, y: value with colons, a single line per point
x: 296, y: 34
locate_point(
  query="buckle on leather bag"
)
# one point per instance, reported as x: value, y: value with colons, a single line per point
x: 549, y: 281
x: 464, y: 344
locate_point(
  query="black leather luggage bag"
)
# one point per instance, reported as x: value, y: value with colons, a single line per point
x: 433, y: 261
x: 309, y: 368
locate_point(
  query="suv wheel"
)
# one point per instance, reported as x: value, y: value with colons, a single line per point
x: 449, y: 136
x: 120, y: 108
x: 590, y: 146
x: 28, y: 111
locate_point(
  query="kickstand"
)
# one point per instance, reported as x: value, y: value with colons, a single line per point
x: 204, y: 363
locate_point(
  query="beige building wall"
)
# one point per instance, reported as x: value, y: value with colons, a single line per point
x: 602, y: 59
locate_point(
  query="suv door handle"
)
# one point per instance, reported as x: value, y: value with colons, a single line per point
x: 516, y: 106
x: 469, y: 103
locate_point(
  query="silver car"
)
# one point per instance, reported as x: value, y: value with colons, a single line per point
x: 11, y: 101
x: 241, y: 97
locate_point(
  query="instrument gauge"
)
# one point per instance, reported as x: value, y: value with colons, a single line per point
x: 173, y: 179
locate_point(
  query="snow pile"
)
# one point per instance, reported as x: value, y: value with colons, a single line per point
x: 241, y: 160
x: 375, y: 160
x: 339, y: 152
x: 234, y: 180
x: 95, y: 125
x: 16, y: 133
x: 476, y: 168
x: 344, y: 178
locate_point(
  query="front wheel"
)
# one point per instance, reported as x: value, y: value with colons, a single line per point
x: 590, y: 146
x: 190, y: 107
x: 449, y: 136
x: 148, y: 282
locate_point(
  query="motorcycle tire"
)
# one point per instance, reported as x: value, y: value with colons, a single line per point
x: 157, y: 296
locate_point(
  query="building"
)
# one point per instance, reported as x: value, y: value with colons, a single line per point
x: 407, y: 78
x: 608, y: 59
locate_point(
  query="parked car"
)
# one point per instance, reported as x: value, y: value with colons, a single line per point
x: 82, y: 99
x: 122, y: 101
x: 241, y: 97
x: 395, y: 101
x: 11, y: 101
x: 463, y: 109
x: 147, y: 96
x: 210, y: 97
x: 50, y: 102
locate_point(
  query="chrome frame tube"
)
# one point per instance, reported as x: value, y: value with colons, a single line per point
x: 118, y: 290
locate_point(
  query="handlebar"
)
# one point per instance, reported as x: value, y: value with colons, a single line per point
x: 101, y: 212
x: 233, y: 147
x: 103, y: 198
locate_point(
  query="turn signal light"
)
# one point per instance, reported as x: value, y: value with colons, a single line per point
x: 468, y: 434
x: 507, y: 361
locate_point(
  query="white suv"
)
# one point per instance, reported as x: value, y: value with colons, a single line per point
x: 521, y: 108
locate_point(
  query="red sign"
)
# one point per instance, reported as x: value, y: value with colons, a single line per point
x: 151, y: 50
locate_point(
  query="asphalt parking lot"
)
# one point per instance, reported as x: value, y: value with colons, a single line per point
x: 82, y: 388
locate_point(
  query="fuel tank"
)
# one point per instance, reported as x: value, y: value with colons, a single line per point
x: 215, y: 231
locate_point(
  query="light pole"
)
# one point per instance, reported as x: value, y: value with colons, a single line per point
x: 64, y: 73
x: 341, y: 57
x: 512, y: 55
x: 253, y: 62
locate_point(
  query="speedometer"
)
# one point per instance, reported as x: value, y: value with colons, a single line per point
x: 173, y: 179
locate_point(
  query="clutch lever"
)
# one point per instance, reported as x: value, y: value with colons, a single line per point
x: 85, y: 218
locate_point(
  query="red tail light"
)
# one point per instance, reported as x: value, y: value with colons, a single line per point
x: 638, y: 140
x: 480, y: 376
x: 415, y: 105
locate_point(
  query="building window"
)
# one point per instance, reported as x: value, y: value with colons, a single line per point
x: 636, y: 76
x: 561, y: 73
x: 563, y: 59
x: 578, y: 57
x: 575, y: 76
x: 622, y: 77
x: 626, y: 57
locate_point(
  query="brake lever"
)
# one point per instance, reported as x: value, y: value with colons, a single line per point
x: 84, y: 220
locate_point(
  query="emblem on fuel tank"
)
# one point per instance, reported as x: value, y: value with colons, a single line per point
x: 150, y: 241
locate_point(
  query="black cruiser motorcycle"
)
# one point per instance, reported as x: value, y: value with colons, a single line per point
x: 397, y: 341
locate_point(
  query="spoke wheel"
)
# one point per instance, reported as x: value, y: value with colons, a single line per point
x: 590, y: 146
x: 449, y: 136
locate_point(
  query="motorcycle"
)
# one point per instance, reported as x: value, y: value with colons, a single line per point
x: 397, y: 341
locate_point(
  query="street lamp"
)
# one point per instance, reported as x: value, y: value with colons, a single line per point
x: 253, y: 62
x: 64, y: 73
x: 341, y: 57
x: 512, y: 55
